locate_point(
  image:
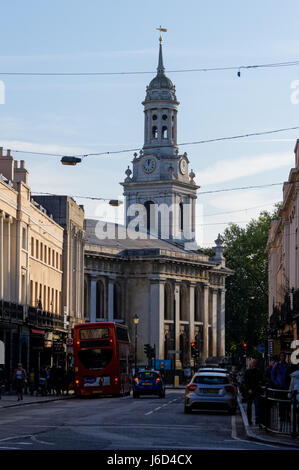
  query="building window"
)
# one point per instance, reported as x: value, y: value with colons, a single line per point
x: 41, y: 251
x: 164, y: 132
x: 32, y: 246
x: 45, y: 254
x: 24, y: 238
x: 154, y: 117
x: 49, y: 256
x: 36, y: 249
x: 150, y: 215
x: 181, y: 217
x: 155, y: 132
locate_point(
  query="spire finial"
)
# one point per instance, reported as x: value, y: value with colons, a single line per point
x: 161, y: 68
x: 164, y: 31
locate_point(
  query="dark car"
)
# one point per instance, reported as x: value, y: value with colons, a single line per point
x: 148, y: 383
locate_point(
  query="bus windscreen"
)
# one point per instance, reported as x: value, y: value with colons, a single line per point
x: 95, y: 359
x: 94, y: 333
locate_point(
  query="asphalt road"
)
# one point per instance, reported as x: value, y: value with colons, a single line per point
x: 147, y: 423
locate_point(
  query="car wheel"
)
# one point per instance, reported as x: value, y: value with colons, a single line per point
x: 187, y: 409
x: 162, y: 395
x: 232, y: 411
x: 135, y: 395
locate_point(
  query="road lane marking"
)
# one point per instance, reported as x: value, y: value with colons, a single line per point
x: 42, y: 442
x: 10, y: 448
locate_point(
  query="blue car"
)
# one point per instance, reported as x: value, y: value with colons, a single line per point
x: 148, y: 382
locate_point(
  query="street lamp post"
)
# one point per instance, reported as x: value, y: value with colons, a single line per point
x: 136, y: 321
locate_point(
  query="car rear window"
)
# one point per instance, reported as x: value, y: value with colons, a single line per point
x: 148, y: 375
x: 209, y: 380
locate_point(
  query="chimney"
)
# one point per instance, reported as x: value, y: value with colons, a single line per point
x: 6, y: 165
x: 21, y: 174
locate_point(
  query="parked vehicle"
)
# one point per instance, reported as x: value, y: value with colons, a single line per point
x: 210, y: 390
x: 148, y: 382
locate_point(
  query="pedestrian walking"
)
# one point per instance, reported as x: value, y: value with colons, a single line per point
x: 19, y: 378
x: 280, y: 376
x: 252, y: 383
x: 59, y: 380
x: 43, y: 382
x: 241, y: 386
x: 268, y: 374
x: 294, y: 385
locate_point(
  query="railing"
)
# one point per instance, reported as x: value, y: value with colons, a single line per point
x: 279, y: 411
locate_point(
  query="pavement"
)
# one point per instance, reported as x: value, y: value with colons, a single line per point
x: 9, y: 399
x: 257, y: 433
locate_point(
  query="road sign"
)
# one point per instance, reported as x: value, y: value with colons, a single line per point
x: 69, y: 341
x: 261, y: 348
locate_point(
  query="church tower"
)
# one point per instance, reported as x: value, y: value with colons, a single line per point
x: 161, y: 190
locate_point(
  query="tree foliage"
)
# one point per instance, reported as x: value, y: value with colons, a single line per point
x: 247, y: 288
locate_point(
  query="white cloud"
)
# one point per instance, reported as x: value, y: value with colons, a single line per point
x: 227, y: 170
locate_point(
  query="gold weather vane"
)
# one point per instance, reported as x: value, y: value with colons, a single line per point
x: 161, y: 29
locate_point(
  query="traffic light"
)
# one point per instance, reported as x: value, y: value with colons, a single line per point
x: 147, y: 350
x: 193, y: 349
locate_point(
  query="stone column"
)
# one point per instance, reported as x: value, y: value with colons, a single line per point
x: 205, y: 293
x: 9, y: 221
x: 214, y: 294
x: 110, y: 300
x: 2, y: 215
x: 18, y: 279
x: 177, y: 323
x: 191, y: 312
x: 93, y: 299
x: 221, y: 323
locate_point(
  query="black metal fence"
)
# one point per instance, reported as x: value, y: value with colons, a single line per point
x: 279, y: 411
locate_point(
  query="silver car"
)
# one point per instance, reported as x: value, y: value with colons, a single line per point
x: 213, y: 369
x: 209, y: 390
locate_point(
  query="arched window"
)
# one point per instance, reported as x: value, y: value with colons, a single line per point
x: 167, y: 303
x: 181, y: 217
x: 164, y: 132
x: 155, y: 132
x: 150, y: 215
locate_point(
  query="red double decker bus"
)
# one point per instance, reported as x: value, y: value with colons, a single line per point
x: 102, y: 359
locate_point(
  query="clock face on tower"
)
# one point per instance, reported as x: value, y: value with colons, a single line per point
x: 148, y: 165
x: 183, y: 166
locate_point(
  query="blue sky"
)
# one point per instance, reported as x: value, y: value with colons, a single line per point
x: 82, y: 114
